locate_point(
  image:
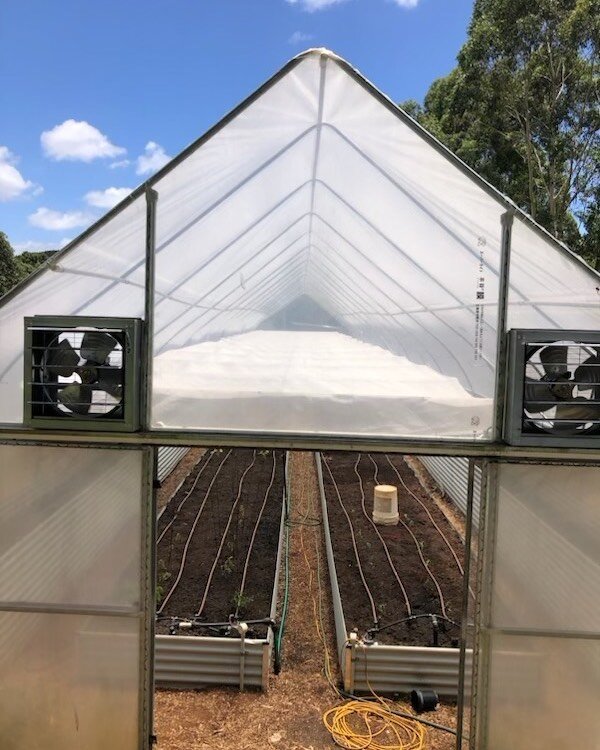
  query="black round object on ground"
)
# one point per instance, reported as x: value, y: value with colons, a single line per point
x: 424, y: 700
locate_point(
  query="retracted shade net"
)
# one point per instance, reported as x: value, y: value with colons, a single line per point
x: 316, y: 208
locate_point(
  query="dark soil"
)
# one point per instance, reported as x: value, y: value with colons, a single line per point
x: 224, y: 591
x: 387, y: 594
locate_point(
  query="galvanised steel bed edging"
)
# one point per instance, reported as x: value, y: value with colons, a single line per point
x: 451, y: 475
x: 191, y: 662
x: 167, y: 458
x: 386, y: 668
x: 194, y: 662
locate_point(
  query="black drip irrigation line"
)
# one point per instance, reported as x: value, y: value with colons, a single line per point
x: 438, y: 623
x: 182, y: 624
x: 403, y: 714
x: 377, y: 628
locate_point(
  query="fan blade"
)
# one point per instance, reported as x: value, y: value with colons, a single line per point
x: 110, y: 379
x: 554, y: 359
x: 588, y: 372
x: 584, y: 411
x: 96, y: 346
x: 77, y: 398
x: 536, y: 391
x: 63, y: 359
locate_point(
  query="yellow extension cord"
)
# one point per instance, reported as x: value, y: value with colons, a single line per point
x: 359, y: 725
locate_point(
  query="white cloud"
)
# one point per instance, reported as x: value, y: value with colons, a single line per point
x: 153, y: 158
x: 298, y: 37
x: 406, y: 3
x: 47, y: 218
x: 106, y: 198
x: 12, y: 182
x: 119, y: 164
x: 77, y: 140
x: 34, y: 246
x: 312, y: 5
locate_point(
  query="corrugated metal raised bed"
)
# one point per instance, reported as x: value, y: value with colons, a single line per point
x: 451, y: 474
x: 368, y: 665
x: 228, y: 658
x: 167, y: 458
x: 192, y: 662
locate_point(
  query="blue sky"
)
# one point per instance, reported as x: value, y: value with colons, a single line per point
x: 95, y: 96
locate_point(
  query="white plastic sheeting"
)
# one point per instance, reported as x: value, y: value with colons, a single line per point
x: 317, y: 188
x: 298, y: 381
x: 102, y: 275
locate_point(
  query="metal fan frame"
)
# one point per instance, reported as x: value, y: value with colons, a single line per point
x: 127, y: 418
x: 518, y: 341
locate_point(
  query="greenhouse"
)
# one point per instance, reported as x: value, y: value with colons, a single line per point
x: 316, y: 272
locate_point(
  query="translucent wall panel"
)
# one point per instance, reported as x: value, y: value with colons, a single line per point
x: 544, y: 694
x: 72, y: 577
x: 549, y: 288
x: 547, y: 572
x: 103, y: 275
x: 543, y: 676
x: 69, y: 682
x: 70, y: 526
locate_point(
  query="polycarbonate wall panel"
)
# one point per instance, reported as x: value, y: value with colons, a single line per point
x: 543, y: 693
x: 70, y: 526
x: 103, y: 275
x: 69, y: 682
x: 543, y: 674
x: 72, y: 580
x: 549, y: 288
x: 317, y: 193
x: 547, y: 572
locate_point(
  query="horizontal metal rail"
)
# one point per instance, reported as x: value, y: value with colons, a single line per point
x: 18, y: 435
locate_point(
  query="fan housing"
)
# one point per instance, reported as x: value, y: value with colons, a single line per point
x: 553, y: 388
x: 82, y: 373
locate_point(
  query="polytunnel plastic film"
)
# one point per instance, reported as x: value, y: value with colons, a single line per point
x: 317, y: 196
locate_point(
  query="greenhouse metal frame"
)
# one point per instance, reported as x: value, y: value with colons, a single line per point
x: 562, y: 294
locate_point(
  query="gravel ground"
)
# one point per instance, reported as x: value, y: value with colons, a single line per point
x: 288, y: 716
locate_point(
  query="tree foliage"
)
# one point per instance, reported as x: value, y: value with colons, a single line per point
x: 14, y: 268
x: 522, y: 108
x: 9, y: 274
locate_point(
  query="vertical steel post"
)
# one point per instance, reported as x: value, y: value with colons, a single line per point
x: 148, y: 601
x: 501, y: 345
x: 149, y: 507
x: 148, y: 339
x: 485, y: 580
x: 465, y: 606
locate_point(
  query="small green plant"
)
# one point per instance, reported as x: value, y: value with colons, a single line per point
x: 162, y: 576
x: 229, y: 565
x: 240, y: 601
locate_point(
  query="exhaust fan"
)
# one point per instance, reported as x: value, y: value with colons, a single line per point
x: 553, y: 388
x: 82, y: 373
